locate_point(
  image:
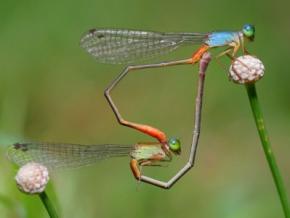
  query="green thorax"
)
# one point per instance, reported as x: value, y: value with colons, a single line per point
x: 144, y: 151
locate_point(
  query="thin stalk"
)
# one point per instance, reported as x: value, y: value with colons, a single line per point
x: 48, y: 205
x: 264, y: 137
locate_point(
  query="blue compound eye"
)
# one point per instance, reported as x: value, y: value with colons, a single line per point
x: 249, y: 31
x: 174, y: 145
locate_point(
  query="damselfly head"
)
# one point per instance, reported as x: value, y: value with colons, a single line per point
x: 249, y: 31
x: 174, y: 145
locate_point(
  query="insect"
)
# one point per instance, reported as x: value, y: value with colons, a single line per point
x: 125, y: 46
x: 119, y: 46
x: 61, y: 156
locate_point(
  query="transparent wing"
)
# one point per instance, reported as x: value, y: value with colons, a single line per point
x: 64, y: 155
x: 124, y: 46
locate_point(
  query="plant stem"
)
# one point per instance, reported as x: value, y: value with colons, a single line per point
x: 256, y: 109
x: 48, y: 205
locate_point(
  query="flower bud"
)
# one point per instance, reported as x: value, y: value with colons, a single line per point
x: 246, y: 69
x: 32, y: 178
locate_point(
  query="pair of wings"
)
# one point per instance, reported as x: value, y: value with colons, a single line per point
x: 117, y: 46
x: 64, y: 156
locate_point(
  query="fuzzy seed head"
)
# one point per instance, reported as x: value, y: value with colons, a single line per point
x: 246, y: 69
x: 32, y: 178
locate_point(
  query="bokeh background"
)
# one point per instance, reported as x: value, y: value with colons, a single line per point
x: 51, y: 90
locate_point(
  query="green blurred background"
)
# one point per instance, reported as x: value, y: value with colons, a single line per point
x: 51, y: 90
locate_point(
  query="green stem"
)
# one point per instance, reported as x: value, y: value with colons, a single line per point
x: 48, y: 205
x: 256, y: 109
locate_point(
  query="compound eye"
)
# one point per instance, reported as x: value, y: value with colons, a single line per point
x: 174, y: 145
x: 249, y: 31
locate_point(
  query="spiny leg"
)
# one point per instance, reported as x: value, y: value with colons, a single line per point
x: 244, y: 49
x: 228, y: 52
x: 234, y: 47
x: 196, y: 131
x: 231, y: 49
x: 152, y: 131
x: 135, y: 169
x: 235, y: 59
x: 217, y: 57
x: 134, y: 164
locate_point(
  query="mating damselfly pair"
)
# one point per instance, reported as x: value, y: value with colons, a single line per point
x: 117, y: 46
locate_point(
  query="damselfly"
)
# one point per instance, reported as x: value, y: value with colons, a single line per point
x: 61, y: 156
x: 116, y: 46
x: 126, y: 46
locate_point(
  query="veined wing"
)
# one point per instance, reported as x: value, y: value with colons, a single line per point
x: 64, y: 155
x: 117, y: 46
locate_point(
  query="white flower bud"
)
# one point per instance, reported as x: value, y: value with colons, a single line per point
x: 246, y: 69
x: 32, y: 178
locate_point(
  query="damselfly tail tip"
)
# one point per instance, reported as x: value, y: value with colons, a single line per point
x: 88, y: 35
x: 92, y: 31
x: 21, y: 146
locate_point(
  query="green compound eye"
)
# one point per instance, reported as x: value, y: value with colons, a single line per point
x: 249, y: 31
x: 174, y: 145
